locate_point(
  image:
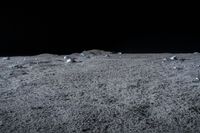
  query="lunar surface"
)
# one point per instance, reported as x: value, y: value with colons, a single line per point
x: 100, y: 92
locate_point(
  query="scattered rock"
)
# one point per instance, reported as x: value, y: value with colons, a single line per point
x: 92, y: 98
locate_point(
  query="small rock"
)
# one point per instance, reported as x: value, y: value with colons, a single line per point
x: 196, y: 53
x: 88, y: 56
x: 182, y: 59
x: 197, y: 78
x: 39, y: 107
x: 177, y: 68
x: 164, y: 59
x: 6, y: 58
x: 36, y: 60
x: 107, y: 55
x: 173, y: 58
x: 68, y: 60
x: 82, y: 93
x: 82, y: 54
x: 119, y: 53
x: 11, y: 66
x: 65, y: 57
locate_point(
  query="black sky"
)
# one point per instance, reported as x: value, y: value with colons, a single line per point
x: 34, y: 31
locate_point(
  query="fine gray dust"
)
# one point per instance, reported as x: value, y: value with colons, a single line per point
x: 100, y: 92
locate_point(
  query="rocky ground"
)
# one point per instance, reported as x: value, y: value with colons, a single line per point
x: 100, y: 92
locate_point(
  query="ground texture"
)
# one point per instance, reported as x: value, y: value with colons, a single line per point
x: 100, y: 92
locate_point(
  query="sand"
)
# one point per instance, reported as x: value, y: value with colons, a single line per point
x: 100, y: 92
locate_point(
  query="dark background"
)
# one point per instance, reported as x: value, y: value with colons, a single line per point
x: 35, y: 31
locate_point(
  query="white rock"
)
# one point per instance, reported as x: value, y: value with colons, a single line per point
x: 173, y: 58
x: 65, y: 57
x: 119, y: 53
x: 69, y: 60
